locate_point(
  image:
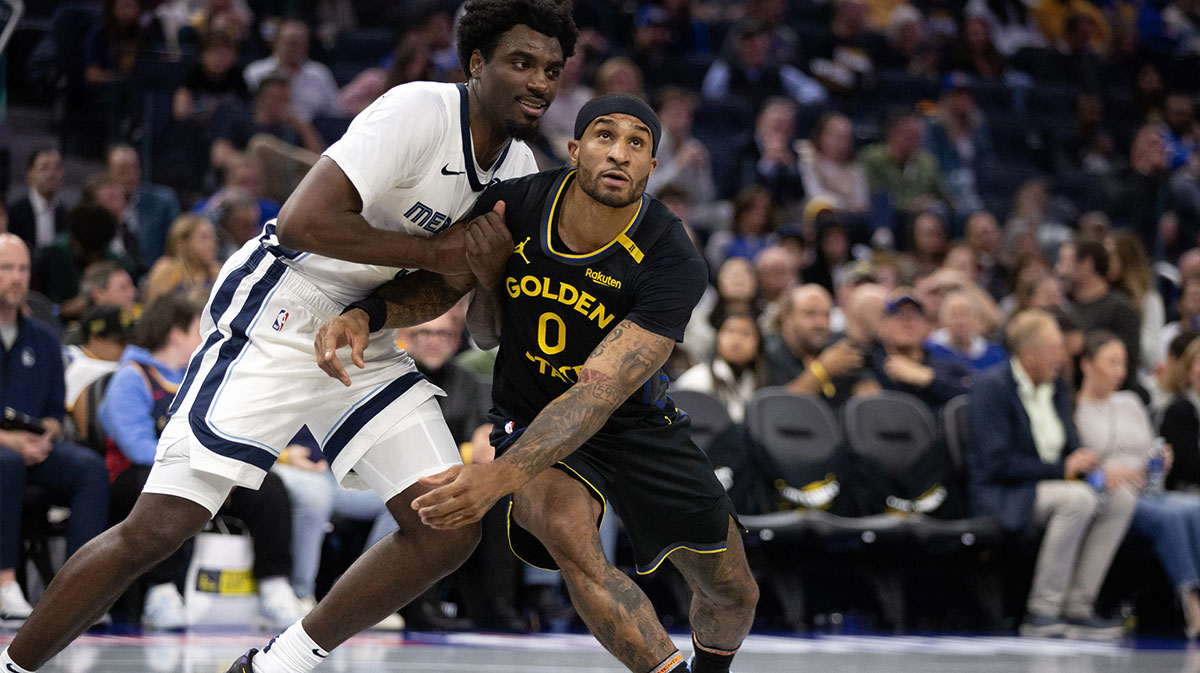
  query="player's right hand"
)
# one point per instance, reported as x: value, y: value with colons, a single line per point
x: 353, y: 328
x: 489, y: 245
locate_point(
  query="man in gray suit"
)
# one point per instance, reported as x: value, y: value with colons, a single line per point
x: 152, y: 208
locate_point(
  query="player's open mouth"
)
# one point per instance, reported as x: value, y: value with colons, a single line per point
x: 533, y: 107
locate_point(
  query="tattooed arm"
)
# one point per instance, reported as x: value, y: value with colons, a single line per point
x: 411, y: 300
x: 614, y: 370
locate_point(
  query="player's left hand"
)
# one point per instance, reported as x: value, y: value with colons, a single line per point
x: 350, y: 328
x: 462, y: 495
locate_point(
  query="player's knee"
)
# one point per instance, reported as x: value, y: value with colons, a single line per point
x: 449, y: 549
x: 736, y: 591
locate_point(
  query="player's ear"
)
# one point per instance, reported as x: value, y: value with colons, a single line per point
x: 573, y: 152
x: 476, y: 64
x: 653, y: 165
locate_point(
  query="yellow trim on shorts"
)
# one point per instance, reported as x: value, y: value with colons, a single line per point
x: 675, y: 549
x: 509, y: 520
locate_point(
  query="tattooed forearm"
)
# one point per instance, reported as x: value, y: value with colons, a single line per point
x: 484, y: 316
x: 422, y: 296
x: 621, y: 363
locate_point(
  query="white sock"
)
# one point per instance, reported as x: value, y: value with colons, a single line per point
x: 292, y: 651
x: 7, y: 665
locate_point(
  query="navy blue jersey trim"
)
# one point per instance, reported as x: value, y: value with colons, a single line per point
x: 464, y: 117
x: 363, y: 415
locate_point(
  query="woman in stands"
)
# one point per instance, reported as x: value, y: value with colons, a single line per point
x: 190, y: 265
x: 736, y: 368
x: 1115, y: 424
x: 1129, y: 272
x: 827, y: 165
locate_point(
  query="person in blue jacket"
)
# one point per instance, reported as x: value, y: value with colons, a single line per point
x: 32, y: 383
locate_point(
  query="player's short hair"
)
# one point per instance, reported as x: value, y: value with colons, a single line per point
x: 166, y: 312
x: 484, y: 21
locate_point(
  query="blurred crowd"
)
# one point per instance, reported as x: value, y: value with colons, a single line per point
x: 996, y: 198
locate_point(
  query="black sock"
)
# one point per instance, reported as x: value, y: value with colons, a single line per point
x: 672, y: 664
x: 709, y: 659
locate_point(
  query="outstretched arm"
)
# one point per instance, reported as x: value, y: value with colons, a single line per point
x: 614, y: 370
x: 489, y: 245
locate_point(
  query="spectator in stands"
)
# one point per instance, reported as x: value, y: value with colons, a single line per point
x: 1055, y: 18
x: 682, y: 159
x: 1181, y: 132
x: 752, y: 229
x: 1096, y: 305
x: 928, y: 241
x: 652, y: 50
x: 1185, y: 195
x: 133, y: 413
x: 209, y: 84
x: 1025, y: 468
x: 844, y: 58
x: 558, y: 120
x: 150, y: 208
x: 827, y: 165
x: 1129, y: 273
x: 769, y: 159
x: 906, y: 48
x: 976, y: 52
x: 103, y: 190
x: 846, y: 279
x: 1090, y: 147
x: 961, y: 259
x: 243, y: 179
x: 33, y: 385
x: 190, y: 266
x: 958, y: 138
x: 1138, y: 204
x: 272, y: 115
x: 864, y: 312
x: 804, y: 357
x: 832, y: 249
x: 901, y: 361
x: 736, y: 292
x: 1189, y: 315
x: 688, y: 33
x: 901, y: 168
x: 112, y: 46
x: 746, y: 72
x: 108, y: 283
x: 960, y: 334
x: 1079, y: 57
x: 1116, y: 423
x: 91, y: 229
x: 313, y: 91
x: 232, y: 19
x: 620, y: 75
x: 982, y: 236
x: 778, y: 273
x: 1011, y: 23
x: 40, y: 217
x: 238, y: 219
x: 1180, y: 421
x: 1162, y: 387
x: 105, y: 334
x: 735, y: 370
x: 1031, y: 213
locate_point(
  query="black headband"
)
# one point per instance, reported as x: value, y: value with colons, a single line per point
x: 619, y: 103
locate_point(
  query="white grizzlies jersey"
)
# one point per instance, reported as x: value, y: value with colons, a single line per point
x: 410, y: 156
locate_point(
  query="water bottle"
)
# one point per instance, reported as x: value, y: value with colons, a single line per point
x: 1096, y: 480
x: 1156, y: 475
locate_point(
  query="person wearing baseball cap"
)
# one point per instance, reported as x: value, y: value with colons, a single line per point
x: 902, y: 362
x: 105, y: 330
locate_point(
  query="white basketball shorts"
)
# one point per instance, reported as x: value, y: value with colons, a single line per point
x: 254, y: 382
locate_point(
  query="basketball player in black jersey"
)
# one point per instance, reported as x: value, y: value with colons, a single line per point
x: 586, y: 313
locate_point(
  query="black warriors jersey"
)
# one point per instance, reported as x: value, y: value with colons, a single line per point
x: 560, y: 304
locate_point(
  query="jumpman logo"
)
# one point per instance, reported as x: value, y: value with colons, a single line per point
x: 519, y: 249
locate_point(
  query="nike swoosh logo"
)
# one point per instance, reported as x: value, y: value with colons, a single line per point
x: 318, y: 653
x: 446, y: 171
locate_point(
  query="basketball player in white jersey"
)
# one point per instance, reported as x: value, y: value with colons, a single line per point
x: 373, y: 207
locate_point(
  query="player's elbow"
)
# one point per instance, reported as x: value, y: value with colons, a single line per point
x: 295, y: 226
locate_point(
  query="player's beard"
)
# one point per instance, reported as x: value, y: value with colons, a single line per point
x: 590, y: 184
x: 520, y: 131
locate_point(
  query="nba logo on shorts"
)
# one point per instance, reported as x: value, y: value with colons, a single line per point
x: 279, y: 320
x: 508, y: 428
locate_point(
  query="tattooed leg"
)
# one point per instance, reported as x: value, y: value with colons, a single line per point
x: 724, y: 592
x: 562, y: 513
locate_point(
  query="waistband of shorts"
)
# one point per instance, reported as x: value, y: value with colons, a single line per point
x: 307, y: 291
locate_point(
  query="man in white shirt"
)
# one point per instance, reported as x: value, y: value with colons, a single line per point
x: 314, y: 91
x: 40, y: 216
x: 411, y: 164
